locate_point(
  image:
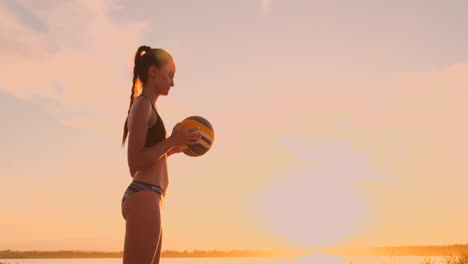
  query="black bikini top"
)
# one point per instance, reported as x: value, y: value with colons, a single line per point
x: 157, y: 132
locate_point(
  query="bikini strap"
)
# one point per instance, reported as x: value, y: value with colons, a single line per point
x: 150, y: 103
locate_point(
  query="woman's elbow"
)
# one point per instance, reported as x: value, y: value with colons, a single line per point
x: 133, y: 164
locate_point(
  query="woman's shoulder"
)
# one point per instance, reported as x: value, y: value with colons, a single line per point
x: 139, y: 110
x: 141, y: 102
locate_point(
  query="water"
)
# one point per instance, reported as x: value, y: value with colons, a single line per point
x: 314, y: 259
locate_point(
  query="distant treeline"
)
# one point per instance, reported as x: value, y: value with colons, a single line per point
x: 451, y: 250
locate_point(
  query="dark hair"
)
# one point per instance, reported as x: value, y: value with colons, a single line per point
x: 144, y: 58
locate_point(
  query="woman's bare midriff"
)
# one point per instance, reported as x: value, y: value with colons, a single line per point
x: 155, y: 174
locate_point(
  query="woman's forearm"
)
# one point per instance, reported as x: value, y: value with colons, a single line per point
x: 170, y: 152
x: 148, y: 155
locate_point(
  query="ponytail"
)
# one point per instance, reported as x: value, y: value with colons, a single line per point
x: 136, y: 80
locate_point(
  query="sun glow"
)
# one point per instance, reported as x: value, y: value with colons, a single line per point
x: 318, y: 204
x: 320, y: 259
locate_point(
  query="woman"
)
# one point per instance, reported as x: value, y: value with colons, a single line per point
x: 148, y: 148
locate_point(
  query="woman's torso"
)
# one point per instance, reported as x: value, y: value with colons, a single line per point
x: 156, y: 173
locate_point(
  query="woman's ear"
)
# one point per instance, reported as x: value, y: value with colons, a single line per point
x: 152, y: 71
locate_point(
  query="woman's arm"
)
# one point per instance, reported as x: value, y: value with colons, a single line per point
x: 138, y: 155
x: 176, y: 150
x: 146, y: 156
x: 171, y: 151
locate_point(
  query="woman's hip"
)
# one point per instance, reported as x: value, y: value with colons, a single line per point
x: 147, y: 195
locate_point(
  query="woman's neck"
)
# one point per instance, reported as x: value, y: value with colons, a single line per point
x: 150, y: 95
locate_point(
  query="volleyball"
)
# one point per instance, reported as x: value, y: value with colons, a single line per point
x: 207, y: 135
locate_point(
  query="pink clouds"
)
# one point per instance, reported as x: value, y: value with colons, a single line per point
x: 82, y: 51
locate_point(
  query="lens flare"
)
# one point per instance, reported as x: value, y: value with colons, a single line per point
x: 317, y: 205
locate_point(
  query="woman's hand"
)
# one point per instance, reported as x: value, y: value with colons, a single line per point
x: 175, y: 150
x: 184, y: 136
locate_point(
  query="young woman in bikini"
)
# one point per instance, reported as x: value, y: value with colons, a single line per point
x: 148, y: 149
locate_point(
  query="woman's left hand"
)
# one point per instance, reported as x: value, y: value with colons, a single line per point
x: 175, y: 150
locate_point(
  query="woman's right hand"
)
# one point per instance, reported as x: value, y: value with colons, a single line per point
x: 185, y: 136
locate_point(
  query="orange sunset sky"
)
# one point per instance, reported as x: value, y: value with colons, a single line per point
x: 338, y: 123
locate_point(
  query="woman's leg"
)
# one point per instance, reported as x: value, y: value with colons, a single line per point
x: 158, y: 251
x: 143, y: 227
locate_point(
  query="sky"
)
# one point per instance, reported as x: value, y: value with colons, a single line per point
x: 337, y: 123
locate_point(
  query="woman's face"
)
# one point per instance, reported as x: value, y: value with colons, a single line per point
x: 164, y: 78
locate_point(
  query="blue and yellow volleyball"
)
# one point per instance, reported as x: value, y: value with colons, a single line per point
x: 207, y: 135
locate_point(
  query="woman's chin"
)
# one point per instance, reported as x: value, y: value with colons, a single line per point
x: 164, y: 93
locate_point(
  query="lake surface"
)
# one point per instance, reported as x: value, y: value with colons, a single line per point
x: 314, y: 259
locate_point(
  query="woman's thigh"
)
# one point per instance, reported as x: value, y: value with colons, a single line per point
x: 142, y: 212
